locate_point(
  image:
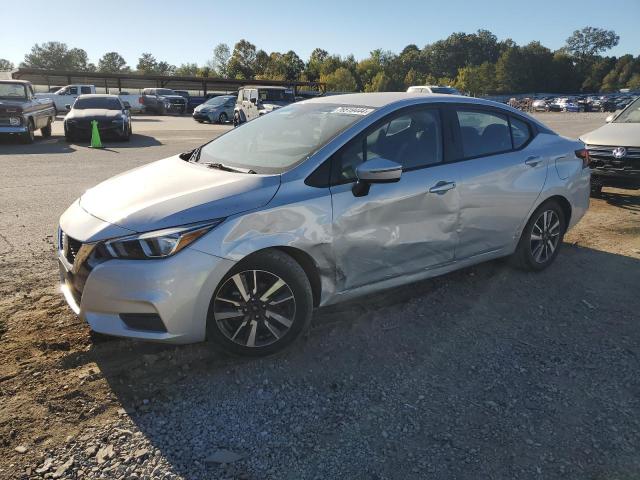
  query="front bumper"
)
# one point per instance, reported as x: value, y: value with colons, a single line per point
x: 106, y: 129
x: 177, y: 289
x: 201, y: 116
x: 13, y: 129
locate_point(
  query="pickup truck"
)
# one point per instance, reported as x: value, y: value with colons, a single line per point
x: 163, y: 100
x: 21, y: 113
x: 67, y: 95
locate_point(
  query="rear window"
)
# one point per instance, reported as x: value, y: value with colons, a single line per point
x: 102, y: 103
x: 483, y: 133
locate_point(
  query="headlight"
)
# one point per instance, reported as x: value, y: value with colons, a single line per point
x: 14, y: 121
x: 158, y: 244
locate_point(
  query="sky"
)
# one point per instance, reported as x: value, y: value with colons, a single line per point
x: 187, y: 31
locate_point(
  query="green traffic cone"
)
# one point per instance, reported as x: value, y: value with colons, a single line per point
x: 95, y: 135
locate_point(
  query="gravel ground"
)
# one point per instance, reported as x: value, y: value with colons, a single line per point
x: 488, y: 372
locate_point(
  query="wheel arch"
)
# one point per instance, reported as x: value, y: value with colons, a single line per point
x: 564, y: 204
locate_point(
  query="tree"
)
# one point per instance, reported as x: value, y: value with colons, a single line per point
x: 313, y: 68
x: 56, y: 56
x: 380, y: 83
x: 221, y: 54
x: 147, y: 64
x: 242, y: 63
x: 188, y: 70
x: 5, y: 64
x: 477, y: 80
x: 589, y: 42
x: 164, y: 68
x: 341, y: 80
x: 112, y: 62
x: 634, y: 82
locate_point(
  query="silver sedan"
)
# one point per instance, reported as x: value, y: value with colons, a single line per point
x: 313, y: 204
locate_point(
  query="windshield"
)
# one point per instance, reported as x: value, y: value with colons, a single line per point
x: 165, y: 91
x: 102, y: 103
x: 631, y: 114
x: 13, y: 90
x: 275, y: 96
x: 447, y: 90
x: 278, y: 141
x: 217, y: 101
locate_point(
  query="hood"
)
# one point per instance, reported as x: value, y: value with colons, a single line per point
x: 78, y: 114
x: 172, y: 192
x: 212, y: 108
x: 615, y: 135
x: 12, y: 106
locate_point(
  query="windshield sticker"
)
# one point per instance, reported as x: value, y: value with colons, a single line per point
x: 354, y: 110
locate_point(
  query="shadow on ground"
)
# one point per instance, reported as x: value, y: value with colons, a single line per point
x: 488, y: 372
x: 58, y: 144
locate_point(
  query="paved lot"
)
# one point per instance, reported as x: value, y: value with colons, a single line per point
x: 485, y: 373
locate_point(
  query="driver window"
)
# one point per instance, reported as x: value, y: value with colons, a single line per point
x: 412, y: 139
x: 73, y: 90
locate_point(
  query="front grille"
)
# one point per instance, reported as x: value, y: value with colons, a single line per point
x: 70, y: 247
x: 603, y: 158
x: 5, y: 122
x: 177, y: 101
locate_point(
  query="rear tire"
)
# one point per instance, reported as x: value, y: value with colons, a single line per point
x: 541, y: 238
x: 223, y: 118
x: 46, y: 131
x: 261, y: 306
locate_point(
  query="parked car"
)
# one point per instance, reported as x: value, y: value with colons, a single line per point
x: 67, y: 95
x: 109, y: 111
x: 564, y: 105
x: 316, y: 203
x: 163, y: 100
x: 540, y: 105
x: 433, y: 89
x: 216, y: 110
x: 253, y: 102
x: 614, y: 150
x: 21, y: 113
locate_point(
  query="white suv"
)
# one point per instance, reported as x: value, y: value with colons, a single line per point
x: 433, y: 89
x: 255, y: 101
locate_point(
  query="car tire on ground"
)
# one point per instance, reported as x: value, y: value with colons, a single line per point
x: 261, y: 306
x: 127, y: 137
x: 223, y: 118
x: 46, y: 131
x: 596, y: 190
x: 29, y: 136
x: 236, y: 119
x: 541, y: 238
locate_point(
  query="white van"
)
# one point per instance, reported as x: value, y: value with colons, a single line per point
x: 255, y: 101
x: 433, y: 89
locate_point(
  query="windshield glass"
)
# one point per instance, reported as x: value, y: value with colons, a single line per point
x: 217, y: 101
x: 102, y: 103
x: 275, y: 96
x: 448, y: 90
x: 278, y: 141
x: 13, y: 90
x: 631, y: 114
x: 165, y: 91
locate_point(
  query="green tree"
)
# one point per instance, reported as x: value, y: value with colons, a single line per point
x: 112, y: 62
x: 5, y: 64
x: 147, y: 64
x: 56, y: 56
x: 242, y: 63
x: 634, y: 82
x: 188, y: 70
x: 221, y: 54
x: 313, y: 68
x: 589, y: 42
x: 165, y: 68
x: 379, y: 83
x: 341, y: 80
x: 477, y: 79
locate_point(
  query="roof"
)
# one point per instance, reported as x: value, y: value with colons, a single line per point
x: 382, y: 99
x: 262, y: 87
x: 14, y: 81
x: 97, y: 95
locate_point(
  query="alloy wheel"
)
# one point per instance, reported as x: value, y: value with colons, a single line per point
x: 545, y: 236
x: 254, y: 308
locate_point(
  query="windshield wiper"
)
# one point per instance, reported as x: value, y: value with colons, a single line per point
x: 227, y: 168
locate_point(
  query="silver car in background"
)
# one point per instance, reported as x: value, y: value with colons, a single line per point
x: 317, y: 202
x: 216, y: 110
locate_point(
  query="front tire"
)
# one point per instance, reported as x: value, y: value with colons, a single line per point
x: 261, y: 306
x: 236, y: 119
x: 30, y: 135
x: 541, y: 238
x: 596, y: 190
x: 46, y: 131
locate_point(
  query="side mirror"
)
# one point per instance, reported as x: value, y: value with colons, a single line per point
x: 67, y: 106
x: 253, y: 100
x: 609, y: 119
x: 127, y: 106
x: 377, y: 170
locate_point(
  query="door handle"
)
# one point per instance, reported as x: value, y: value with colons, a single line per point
x: 533, y: 160
x: 442, y: 187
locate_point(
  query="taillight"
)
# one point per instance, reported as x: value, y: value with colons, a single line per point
x: 140, y: 100
x: 584, y: 155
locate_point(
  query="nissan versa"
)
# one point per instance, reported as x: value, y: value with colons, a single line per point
x: 315, y: 203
